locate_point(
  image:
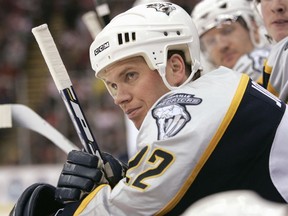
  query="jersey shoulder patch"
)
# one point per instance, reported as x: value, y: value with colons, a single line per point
x: 171, y: 114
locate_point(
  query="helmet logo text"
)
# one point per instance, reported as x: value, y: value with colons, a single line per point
x: 101, y: 48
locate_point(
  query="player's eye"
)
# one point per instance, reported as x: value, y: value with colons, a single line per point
x: 210, y: 41
x: 130, y: 76
x: 228, y: 29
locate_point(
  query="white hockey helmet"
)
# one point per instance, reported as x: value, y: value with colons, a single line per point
x: 147, y: 30
x: 208, y: 14
x: 236, y: 203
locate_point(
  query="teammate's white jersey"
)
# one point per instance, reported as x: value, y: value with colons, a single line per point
x: 203, y: 138
x: 275, y: 77
x: 252, y: 63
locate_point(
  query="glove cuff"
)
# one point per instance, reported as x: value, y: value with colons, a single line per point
x: 37, y: 199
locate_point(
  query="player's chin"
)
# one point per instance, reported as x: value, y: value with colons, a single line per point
x: 279, y: 35
x: 137, y: 123
x: 230, y: 62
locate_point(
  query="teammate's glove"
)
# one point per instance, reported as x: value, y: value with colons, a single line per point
x: 83, y: 172
x: 37, y: 199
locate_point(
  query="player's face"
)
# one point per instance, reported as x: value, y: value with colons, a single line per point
x: 275, y: 17
x: 134, y: 87
x: 227, y: 43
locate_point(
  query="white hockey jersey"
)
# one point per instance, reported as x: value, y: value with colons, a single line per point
x: 275, y: 77
x: 252, y: 63
x: 221, y: 132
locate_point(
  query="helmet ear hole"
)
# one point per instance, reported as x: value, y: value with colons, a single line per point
x: 224, y: 6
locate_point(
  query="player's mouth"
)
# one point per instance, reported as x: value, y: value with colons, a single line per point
x: 229, y: 59
x: 132, y: 113
x: 280, y: 22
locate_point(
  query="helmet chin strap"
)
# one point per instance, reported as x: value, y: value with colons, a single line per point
x: 162, y: 71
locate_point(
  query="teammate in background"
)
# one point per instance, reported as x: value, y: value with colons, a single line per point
x: 194, y: 132
x: 275, y: 17
x: 229, y: 36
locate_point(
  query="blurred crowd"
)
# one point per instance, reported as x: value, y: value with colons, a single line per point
x: 73, y: 40
x: 16, y: 21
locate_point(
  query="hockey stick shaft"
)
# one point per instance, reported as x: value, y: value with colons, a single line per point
x: 18, y: 115
x: 96, y: 20
x: 91, y: 21
x: 103, y: 11
x: 64, y: 85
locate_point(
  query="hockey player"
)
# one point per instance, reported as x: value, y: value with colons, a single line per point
x: 275, y: 17
x: 229, y: 35
x: 197, y: 136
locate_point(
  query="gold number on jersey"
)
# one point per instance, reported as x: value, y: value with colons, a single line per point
x: 159, y: 160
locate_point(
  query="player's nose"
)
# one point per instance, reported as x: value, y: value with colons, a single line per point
x: 123, y: 95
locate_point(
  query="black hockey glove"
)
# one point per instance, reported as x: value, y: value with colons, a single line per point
x: 83, y: 172
x: 37, y: 200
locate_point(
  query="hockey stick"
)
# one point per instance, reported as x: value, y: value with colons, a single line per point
x: 102, y: 11
x: 91, y: 21
x: 22, y: 116
x: 98, y: 19
x: 65, y: 88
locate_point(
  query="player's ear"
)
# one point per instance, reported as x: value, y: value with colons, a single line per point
x: 175, y: 70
